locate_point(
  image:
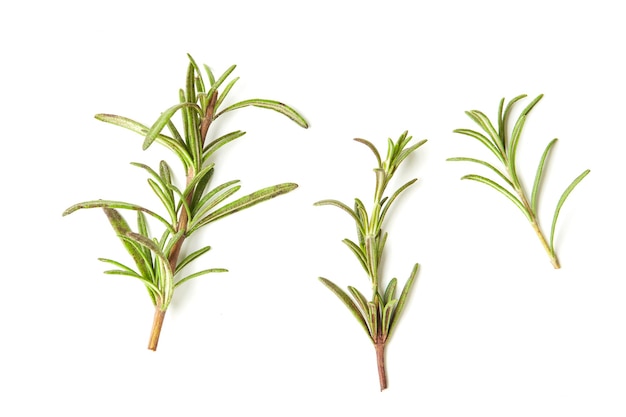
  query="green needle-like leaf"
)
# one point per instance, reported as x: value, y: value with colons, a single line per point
x: 151, y: 287
x: 245, y: 202
x: 538, y: 175
x: 271, y: 105
x: 163, y: 120
x: 564, y: 196
x: 482, y: 139
x: 502, y: 190
x: 120, y: 226
x: 507, y: 113
x: 486, y: 125
x: 402, y: 301
x: 219, y: 142
x: 191, y: 257
x: 390, y: 292
x: 136, y: 127
x: 165, y: 199
x: 348, y: 303
x: 388, y: 313
x: 373, y: 149
x: 487, y: 164
x: 214, y: 197
x: 225, y: 92
x: 360, y: 299
x: 198, y: 274
x: 358, y: 253
x: 394, y: 196
x: 341, y: 206
x: 115, y: 205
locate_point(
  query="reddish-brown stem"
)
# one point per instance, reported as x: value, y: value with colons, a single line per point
x: 380, y: 359
x: 183, y: 220
x: 159, y: 315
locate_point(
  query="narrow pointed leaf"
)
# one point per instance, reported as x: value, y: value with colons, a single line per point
x: 341, y: 206
x: 538, y: 176
x: 501, y: 131
x: 114, y: 205
x: 209, y: 73
x: 482, y: 139
x: 373, y: 149
x: 507, y: 112
x: 487, y: 164
x: 225, y: 92
x: 502, y: 190
x: 131, y: 274
x: 374, y: 318
x: 217, y: 83
x: 247, y: 201
x: 564, y: 196
x: 271, y: 105
x: 210, y: 204
x: 120, y: 226
x: 393, y: 198
x: 203, y: 206
x: 388, y: 314
x: 171, y: 143
x: 515, y: 137
x: 390, y: 292
x: 165, y: 199
x: 191, y: 83
x: 163, y: 119
x: 199, y: 176
x: 198, y: 274
x: 402, y: 301
x: 484, y: 122
x: 214, y: 145
x: 166, y: 175
x: 348, y: 303
x: 357, y: 252
x: 200, y: 189
x: 361, y: 300
x: 408, y: 151
x: 191, y: 257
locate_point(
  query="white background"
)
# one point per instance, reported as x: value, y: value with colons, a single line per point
x: 491, y: 328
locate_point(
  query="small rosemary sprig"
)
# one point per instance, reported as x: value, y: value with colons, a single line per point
x: 380, y: 315
x: 192, y: 207
x: 504, y: 147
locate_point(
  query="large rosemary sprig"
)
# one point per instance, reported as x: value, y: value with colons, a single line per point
x: 378, y: 316
x: 504, y: 147
x: 157, y: 259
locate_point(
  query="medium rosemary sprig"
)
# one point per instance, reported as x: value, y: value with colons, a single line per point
x: 504, y: 147
x: 157, y: 258
x: 378, y: 316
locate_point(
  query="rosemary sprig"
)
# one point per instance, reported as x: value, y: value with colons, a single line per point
x: 378, y: 316
x: 504, y: 147
x: 156, y: 258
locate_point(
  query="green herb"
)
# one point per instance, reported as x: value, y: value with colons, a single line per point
x: 378, y: 316
x: 504, y: 147
x: 187, y: 209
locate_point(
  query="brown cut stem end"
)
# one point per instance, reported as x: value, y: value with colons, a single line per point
x: 159, y: 316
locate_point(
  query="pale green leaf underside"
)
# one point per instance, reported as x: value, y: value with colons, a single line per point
x: 564, y: 196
